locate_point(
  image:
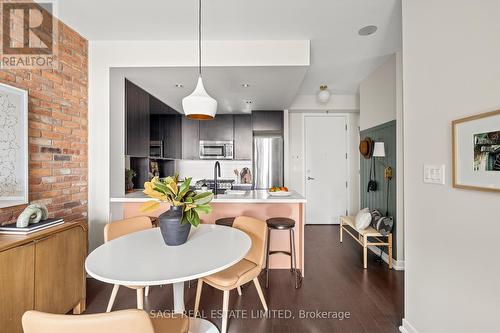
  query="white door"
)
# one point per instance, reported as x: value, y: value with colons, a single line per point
x: 325, y: 168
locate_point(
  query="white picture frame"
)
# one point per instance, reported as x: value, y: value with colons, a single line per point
x: 469, y: 170
x: 13, y: 146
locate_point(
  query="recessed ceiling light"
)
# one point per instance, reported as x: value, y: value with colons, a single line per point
x: 245, y: 85
x: 368, y: 30
x: 248, y: 102
x: 179, y: 85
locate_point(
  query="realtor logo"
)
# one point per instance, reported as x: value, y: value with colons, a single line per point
x: 28, y: 34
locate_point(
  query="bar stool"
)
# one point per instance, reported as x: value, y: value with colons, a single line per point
x: 283, y: 223
x: 226, y: 221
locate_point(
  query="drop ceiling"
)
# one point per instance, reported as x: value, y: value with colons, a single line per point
x: 269, y: 88
x: 340, y: 57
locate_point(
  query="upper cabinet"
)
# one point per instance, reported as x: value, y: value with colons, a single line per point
x: 219, y: 129
x: 270, y: 121
x: 243, y: 137
x: 137, y: 120
x: 190, y: 139
x: 166, y: 130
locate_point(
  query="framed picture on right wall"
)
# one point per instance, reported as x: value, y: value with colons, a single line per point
x: 476, y: 152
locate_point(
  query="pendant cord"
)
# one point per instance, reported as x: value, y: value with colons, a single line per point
x: 199, y: 36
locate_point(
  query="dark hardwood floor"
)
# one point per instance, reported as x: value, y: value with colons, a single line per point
x: 335, y: 282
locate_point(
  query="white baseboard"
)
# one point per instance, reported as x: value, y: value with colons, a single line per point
x: 407, y: 327
x: 398, y: 265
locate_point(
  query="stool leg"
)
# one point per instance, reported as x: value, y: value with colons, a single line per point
x: 294, y: 256
x: 267, y: 256
x: 292, y: 263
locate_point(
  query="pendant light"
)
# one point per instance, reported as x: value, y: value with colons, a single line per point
x: 199, y: 105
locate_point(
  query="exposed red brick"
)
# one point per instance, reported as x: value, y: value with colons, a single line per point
x: 57, y: 103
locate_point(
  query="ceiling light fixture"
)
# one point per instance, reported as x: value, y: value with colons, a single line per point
x: 179, y: 85
x: 324, y: 94
x: 248, y: 102
x: 199, y: 105
x: 368, y: 30
x: 245, y: 85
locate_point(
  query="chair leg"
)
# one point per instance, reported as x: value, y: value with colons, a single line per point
x: 198, y: 296
x: 225, y: 310
x: 140, y: 298
x: 267, y: 256
x: 112, y: 298
x: 239, y: 290
x: 261, y: 295
x: 146, y: 291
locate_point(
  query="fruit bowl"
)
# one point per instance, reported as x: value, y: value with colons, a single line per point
x: 279, y: 192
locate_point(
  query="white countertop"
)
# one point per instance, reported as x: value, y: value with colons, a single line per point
x: 253, y: 196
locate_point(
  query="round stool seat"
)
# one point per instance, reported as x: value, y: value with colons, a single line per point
x: 226, y: 221
x: 280, y: 223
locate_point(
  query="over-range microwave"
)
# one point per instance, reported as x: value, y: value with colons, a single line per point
x: 216, y: 150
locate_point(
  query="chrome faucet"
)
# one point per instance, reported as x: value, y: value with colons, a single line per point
x: 216, y: 173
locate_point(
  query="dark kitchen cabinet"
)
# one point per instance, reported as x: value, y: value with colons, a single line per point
x: 137, y: 120
x: 168, y: 130
x: 243, y: 137
x: 219, y: 129
x: 269, y: 121
x: 190, y: 139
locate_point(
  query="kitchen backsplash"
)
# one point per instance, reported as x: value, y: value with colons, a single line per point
x: 205, y: 169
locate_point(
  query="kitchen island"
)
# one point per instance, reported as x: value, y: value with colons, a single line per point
x: 255, y: 203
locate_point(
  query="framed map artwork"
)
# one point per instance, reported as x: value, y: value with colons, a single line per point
x: 13, y: 146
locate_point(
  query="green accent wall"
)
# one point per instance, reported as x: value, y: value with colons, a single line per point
x: 377, y: 200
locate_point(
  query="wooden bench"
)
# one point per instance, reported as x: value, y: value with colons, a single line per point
x: 366, y: 237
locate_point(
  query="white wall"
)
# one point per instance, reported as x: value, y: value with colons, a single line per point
x: 104, y: 55
x: 377, y: 96
x: 451, y: 66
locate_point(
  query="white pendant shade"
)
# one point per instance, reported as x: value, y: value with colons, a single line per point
x: 199, y: 105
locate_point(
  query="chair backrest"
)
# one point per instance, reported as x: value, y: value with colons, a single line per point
x: 120, y: 228
x: 257, y: 230
x: 125, y: 321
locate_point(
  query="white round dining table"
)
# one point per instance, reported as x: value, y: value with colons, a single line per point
x: 143, y: 259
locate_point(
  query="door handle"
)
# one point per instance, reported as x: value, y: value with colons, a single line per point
x: 310, y: 178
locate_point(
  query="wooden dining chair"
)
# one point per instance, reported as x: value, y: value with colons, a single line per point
x: 246, y: 270
x: 124, y: 321
x: 120, y: 228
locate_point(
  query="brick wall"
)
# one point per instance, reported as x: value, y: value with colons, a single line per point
x: 57, y: 130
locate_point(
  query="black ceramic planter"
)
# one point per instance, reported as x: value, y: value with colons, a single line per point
x: 174, y: 233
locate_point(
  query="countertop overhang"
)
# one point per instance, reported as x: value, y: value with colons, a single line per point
x: 253, y: 196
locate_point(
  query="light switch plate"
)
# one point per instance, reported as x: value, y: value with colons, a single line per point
x: 434, y: 174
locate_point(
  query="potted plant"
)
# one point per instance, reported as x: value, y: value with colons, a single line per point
x: 129, y: 177
x: 185, y: 207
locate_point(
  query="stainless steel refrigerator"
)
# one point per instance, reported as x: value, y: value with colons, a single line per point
x: 267, y: 161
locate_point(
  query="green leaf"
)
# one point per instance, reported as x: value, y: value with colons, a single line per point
x: 205, y: 209
x: 160, y: 187
x: 184, y: 189
x: 196, y: 219
x: 203, y: 198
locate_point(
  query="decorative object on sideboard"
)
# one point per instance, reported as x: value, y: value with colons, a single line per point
x: 13, y: 146
x: 199, y: 105
x: 32, y: 214
x: 129, y: 180
x: 324, y: 94
x: 246, y: 176
x: 476, y: 152
x: 185, y: 207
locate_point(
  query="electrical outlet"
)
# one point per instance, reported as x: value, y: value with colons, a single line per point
x: 434, y: 174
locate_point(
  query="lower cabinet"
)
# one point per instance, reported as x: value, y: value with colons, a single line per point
x: 43, y: 272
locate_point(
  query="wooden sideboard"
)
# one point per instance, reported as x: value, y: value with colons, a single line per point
x: 42, y: 271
